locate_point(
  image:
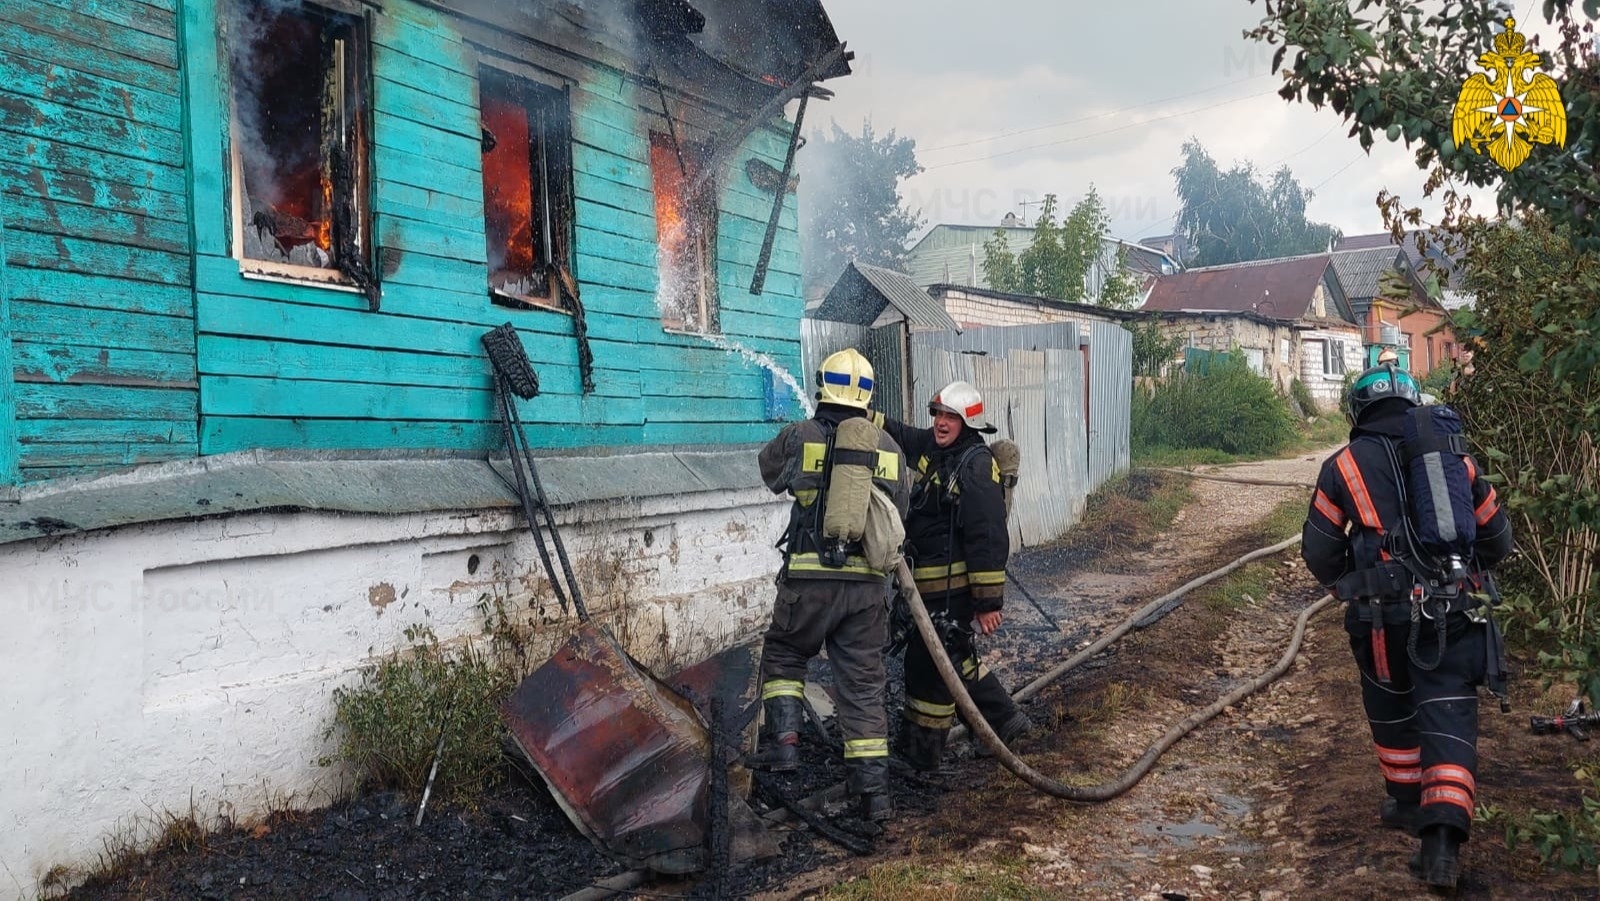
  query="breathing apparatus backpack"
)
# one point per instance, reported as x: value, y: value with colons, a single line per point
x: 854, y: 510
x: 1443, y: 520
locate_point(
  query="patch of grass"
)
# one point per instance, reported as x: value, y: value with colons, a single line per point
x: 1285, y: 520
x: 1130, y: 510
x: 389, y: 724
x: 907, y: 881
x: 1117, y: 701
x: 1239, y: 588
x: 1324, y: 431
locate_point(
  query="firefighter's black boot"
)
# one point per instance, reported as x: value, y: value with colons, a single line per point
x: 1438, y: 863
x: 868, y: 784
x: 780, y: 753
x: 922, y: 747
x: 1395, y: 815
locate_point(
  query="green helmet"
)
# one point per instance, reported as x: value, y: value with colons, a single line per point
x: 1382, y: 383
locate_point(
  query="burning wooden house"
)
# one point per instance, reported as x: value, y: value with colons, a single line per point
x: 248, y: 249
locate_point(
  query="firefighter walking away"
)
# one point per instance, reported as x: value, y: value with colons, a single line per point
x: 1404, y: 527
x: 850, y: 487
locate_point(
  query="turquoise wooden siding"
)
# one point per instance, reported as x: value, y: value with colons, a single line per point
x: 96, y: 291
x: 294, y: 366
x: 8, y: 409
x: 134, y: 338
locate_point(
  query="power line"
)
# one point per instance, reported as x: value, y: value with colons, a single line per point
x: 1115, y: 112
x: 1097, y: 134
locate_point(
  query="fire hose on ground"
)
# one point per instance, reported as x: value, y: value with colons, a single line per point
x: 1106, y: 790
x: 630, y: 880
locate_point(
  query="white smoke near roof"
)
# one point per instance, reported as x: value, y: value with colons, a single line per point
x: 246, y: 25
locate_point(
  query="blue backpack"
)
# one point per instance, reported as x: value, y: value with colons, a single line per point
x: 1439, y: 483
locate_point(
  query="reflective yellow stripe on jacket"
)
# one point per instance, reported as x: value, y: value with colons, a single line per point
x: 813, y: 456
x: 812, y: 563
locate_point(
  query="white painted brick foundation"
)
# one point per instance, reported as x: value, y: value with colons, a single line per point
x: 148, y: 665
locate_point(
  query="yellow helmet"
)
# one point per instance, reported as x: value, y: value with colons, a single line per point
x: 845, y: 379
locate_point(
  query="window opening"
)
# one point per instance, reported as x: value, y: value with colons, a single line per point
x: 686, y: 236
x: 527, y: 190
x: 299, y: 147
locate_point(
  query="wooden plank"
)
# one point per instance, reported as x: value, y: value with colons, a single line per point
x: 31, y: 117
x: 124, y: 15
x: 67, y: 23
x: 88, y: 431
x: 413, y: 229
x: 48, y: 80
x: 396, y: 164
x: 98, y: 258
x: 52, y: 324
x: 602, y: 162
x: 69, y: 364
x: 54, y: 461
x: 222, y: 434
x: 8, y: 405
x: 79, y: 55
x: 45, y: 216
x: 207, y: 127
x: 293, y: 360
x: 448, y: 82
x: 430, y: 142
x: 704, y: 409
x: 106, y: 292
x: 455, y: 114
x: 438, y: 205
x: 90, y: 163
x: 288, y: 398
x: 48, y: 401
x: 609, y: 214
x: 604, y: 249
x: 455, y: 277
x: 62, y: 187
x: 701, y: 433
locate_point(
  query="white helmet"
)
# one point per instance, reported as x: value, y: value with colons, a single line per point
x: 964, y: 401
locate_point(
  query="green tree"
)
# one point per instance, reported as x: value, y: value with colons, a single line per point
x: 1121, y: 290
x: 1232, y: 216
x: 1394, y: 70
x: 1062, y: 257
x: 851, y: 208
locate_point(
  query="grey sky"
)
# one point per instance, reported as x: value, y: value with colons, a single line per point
x: 1133, y: 79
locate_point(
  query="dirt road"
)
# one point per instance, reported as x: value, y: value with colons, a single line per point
x: 1276, y: 799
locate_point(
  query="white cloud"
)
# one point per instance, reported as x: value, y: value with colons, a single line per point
x: 948, y: 73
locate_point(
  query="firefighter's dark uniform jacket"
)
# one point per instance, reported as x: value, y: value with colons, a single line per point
x: 843, y: 609
x: 957, y: 525
x: 959, y: 545
x: 1424, y: 720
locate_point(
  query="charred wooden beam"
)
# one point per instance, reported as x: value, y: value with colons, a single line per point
x: 758, y: 282
x: 724, y: 148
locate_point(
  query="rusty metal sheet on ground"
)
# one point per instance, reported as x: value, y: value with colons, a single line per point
x: 624, y: 755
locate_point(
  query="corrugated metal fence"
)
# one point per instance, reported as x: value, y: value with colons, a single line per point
x: 1061, y: 391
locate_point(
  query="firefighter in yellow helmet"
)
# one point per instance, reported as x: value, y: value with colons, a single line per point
x: 959, y: 543
x: 829, y: 593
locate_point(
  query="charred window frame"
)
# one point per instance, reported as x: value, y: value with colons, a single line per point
x: 528, y: 208
x: 686, y: 236
x: 300, y: 88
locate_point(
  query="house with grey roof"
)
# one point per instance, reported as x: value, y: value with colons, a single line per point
x: 1415, y: 325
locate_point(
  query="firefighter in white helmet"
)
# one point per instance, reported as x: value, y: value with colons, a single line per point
x: 829, y: 592
x: 959, y: 544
